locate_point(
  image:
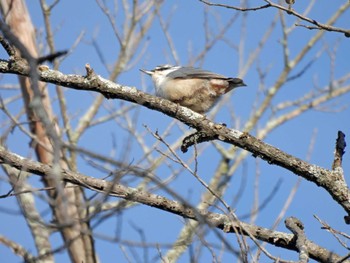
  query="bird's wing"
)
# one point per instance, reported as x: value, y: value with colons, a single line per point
x: 189, y: 72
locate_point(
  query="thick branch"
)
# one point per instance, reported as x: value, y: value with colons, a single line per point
x: 331, y: 181
x: 18, y: 29
x: 220, y: 221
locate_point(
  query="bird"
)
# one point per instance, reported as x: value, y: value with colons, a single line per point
x: 191, y: 87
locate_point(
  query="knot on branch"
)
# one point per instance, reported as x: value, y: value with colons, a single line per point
x: 339, y: 150
x: 89, y: 71
x: 197, y: 137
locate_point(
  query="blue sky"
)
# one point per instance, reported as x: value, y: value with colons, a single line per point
x: 186, y: 19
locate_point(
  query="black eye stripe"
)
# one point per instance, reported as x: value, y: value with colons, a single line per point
x: 163, y: 67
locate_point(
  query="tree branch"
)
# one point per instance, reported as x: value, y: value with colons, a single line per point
x: 297, y: 228
x: 339, y: 150
x: 289, y: 11
x: 220, y: 221
x: 17, y: 249
x: 331, y: 181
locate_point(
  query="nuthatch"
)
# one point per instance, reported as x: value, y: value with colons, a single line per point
x: 193, y: 88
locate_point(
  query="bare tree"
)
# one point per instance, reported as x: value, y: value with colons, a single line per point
x: 97, y: 191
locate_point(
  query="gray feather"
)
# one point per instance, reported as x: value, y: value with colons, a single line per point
x: 190, y: 72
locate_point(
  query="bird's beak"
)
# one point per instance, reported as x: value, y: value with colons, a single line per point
x: 148, y: 72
